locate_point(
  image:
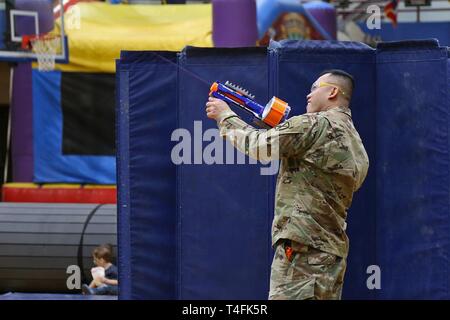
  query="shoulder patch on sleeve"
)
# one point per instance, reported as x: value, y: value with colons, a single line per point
x: 284, y: 126
x: 297, y: 124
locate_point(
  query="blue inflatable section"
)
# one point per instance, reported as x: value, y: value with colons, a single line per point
x: 2, y: 26
x: 269, y: 10
x: 201, y: 229
x: 50, y: 164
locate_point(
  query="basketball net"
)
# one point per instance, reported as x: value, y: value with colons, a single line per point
x: 45, y: 47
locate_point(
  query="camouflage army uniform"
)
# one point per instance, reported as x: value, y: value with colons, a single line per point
x: 323, y: 162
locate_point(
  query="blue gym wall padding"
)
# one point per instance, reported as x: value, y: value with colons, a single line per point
x: 296, y: 65
x: 213, y: 221
x: 224, y: 211
x: 147, y: 219
x: 412, y: 163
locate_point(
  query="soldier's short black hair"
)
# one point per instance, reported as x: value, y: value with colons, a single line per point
x: 340, y: 73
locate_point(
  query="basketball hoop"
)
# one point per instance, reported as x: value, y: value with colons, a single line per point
x: 45, y: 46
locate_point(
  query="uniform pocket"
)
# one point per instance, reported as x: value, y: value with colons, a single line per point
x: 298, y: 289
x: 321, y: 258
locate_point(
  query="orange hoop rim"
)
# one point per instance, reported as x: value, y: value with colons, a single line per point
x: 29, y: 39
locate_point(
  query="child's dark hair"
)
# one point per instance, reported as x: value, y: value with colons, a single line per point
x: 104, y: 251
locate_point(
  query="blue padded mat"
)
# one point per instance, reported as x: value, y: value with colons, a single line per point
x: 297, y: 65
x: 52, y: 296
x: 185, y: 245
x: 224, y: 247
x: 147, y: 213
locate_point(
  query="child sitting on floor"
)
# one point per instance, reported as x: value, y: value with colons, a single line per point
x: 105, y: 275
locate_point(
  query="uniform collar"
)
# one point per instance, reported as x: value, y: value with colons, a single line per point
x: 342, y: 109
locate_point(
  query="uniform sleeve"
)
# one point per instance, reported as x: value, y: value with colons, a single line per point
x: 291, y: 138
x: 363, y: 167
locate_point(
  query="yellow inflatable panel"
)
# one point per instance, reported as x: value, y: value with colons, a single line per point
x: 20, y: 185
x: 44, y: 186
x: 103, y: 30
x: 60, y: 186
x: 99, y: 186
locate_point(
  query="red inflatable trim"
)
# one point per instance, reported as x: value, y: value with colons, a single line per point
x: 74, y: 194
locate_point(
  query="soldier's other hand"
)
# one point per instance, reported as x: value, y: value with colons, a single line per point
x: 215, y: 107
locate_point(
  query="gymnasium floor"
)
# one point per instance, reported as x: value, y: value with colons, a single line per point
x: 51, y: 296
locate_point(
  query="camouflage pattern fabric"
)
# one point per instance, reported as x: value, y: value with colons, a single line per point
x: 307, y: 273
x: 323, y: 162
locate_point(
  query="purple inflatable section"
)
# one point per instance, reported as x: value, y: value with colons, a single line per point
x: 22, y: 124
x: 21, y: 100
x: 234, y: 23
x: 325, y: 14
x: 26, y: 25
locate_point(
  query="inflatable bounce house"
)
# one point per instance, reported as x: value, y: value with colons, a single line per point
x: 92, y: 142
x: 60, y: 202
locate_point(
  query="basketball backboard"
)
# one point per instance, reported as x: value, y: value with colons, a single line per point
x: 20, y: 19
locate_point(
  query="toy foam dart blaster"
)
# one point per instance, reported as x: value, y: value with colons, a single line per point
x: 274, y: 113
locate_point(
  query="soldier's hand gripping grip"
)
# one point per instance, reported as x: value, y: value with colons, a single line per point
x: 272, y: 114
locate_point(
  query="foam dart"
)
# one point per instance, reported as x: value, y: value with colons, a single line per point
x: 272, y: 114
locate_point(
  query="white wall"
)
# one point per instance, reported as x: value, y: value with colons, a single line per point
x: 425, y: 16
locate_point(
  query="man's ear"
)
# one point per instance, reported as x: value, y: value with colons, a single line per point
x: 333, y: 94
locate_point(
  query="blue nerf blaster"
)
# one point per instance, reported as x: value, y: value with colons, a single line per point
x: 272, y: 114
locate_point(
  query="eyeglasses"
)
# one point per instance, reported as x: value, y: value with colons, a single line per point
x: 327, y: 84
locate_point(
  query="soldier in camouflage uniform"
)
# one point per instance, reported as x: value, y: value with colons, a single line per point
x: 323, y: 162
